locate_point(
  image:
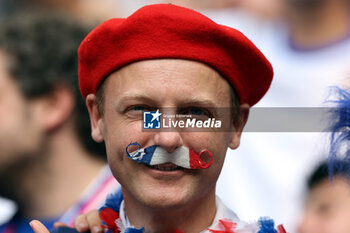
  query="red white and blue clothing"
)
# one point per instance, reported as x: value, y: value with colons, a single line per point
x: 116, y: 220
x: 92, y: 198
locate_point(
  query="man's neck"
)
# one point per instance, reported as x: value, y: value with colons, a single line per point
x: 55, y: 184
x: 319, y: 26
x: 195, y: 216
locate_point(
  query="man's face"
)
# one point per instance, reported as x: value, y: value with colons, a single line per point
x: 157, y: 84
x: 19, y: 135
x: 327, y: 208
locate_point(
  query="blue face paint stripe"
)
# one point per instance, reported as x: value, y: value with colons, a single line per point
x: 142, y: 155
x: 149, y: 153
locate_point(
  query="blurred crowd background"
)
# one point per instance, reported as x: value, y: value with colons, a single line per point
x: 308, y: 44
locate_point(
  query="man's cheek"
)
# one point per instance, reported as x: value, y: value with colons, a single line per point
x: 115, y: 154
x: 118, y: 164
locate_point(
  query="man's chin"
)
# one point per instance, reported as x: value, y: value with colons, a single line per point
x: 165, y: 202
x: 164, y: 197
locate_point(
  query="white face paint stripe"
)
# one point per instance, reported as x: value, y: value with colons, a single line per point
x: 180, y: 157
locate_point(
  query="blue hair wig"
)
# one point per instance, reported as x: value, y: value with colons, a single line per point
x: 340, y: 132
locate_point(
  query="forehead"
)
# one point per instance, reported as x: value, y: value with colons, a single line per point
x: 166, y: 79
x: 338, y: 189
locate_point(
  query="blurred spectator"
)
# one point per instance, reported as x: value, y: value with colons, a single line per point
x: 315, y: 24
x: 327, y: 206
x: 49, y: 165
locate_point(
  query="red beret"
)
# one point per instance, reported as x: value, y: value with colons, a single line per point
x: 169, y: 31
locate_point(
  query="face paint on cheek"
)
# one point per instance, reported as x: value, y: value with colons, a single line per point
x: 182, y: 156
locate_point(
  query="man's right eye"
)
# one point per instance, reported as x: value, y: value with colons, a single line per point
x: 135, y: 111
x: 138, y: 108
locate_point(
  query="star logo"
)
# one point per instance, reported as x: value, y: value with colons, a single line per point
x: 156, y: 115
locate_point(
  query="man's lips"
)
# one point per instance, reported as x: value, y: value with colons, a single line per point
x: 165, y: 167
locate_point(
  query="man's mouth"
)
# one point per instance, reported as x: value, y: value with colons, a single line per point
x: 165, y: 167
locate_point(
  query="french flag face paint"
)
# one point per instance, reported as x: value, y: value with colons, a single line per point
x: 182, y: 156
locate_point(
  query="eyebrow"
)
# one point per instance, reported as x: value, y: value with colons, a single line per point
x: 133, y: 97
x: 199, y: 102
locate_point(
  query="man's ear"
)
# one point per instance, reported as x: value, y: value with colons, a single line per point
x: 238, y: 125
x: 55, y: 108
x: 95, y: 118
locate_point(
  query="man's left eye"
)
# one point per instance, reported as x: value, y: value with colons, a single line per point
x: 196, y: 111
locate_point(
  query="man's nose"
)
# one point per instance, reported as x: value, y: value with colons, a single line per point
x: 168, y: 140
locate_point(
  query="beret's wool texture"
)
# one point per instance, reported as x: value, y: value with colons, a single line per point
x: 169, y: 31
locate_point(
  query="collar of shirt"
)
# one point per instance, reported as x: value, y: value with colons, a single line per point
x: 223, y: 213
